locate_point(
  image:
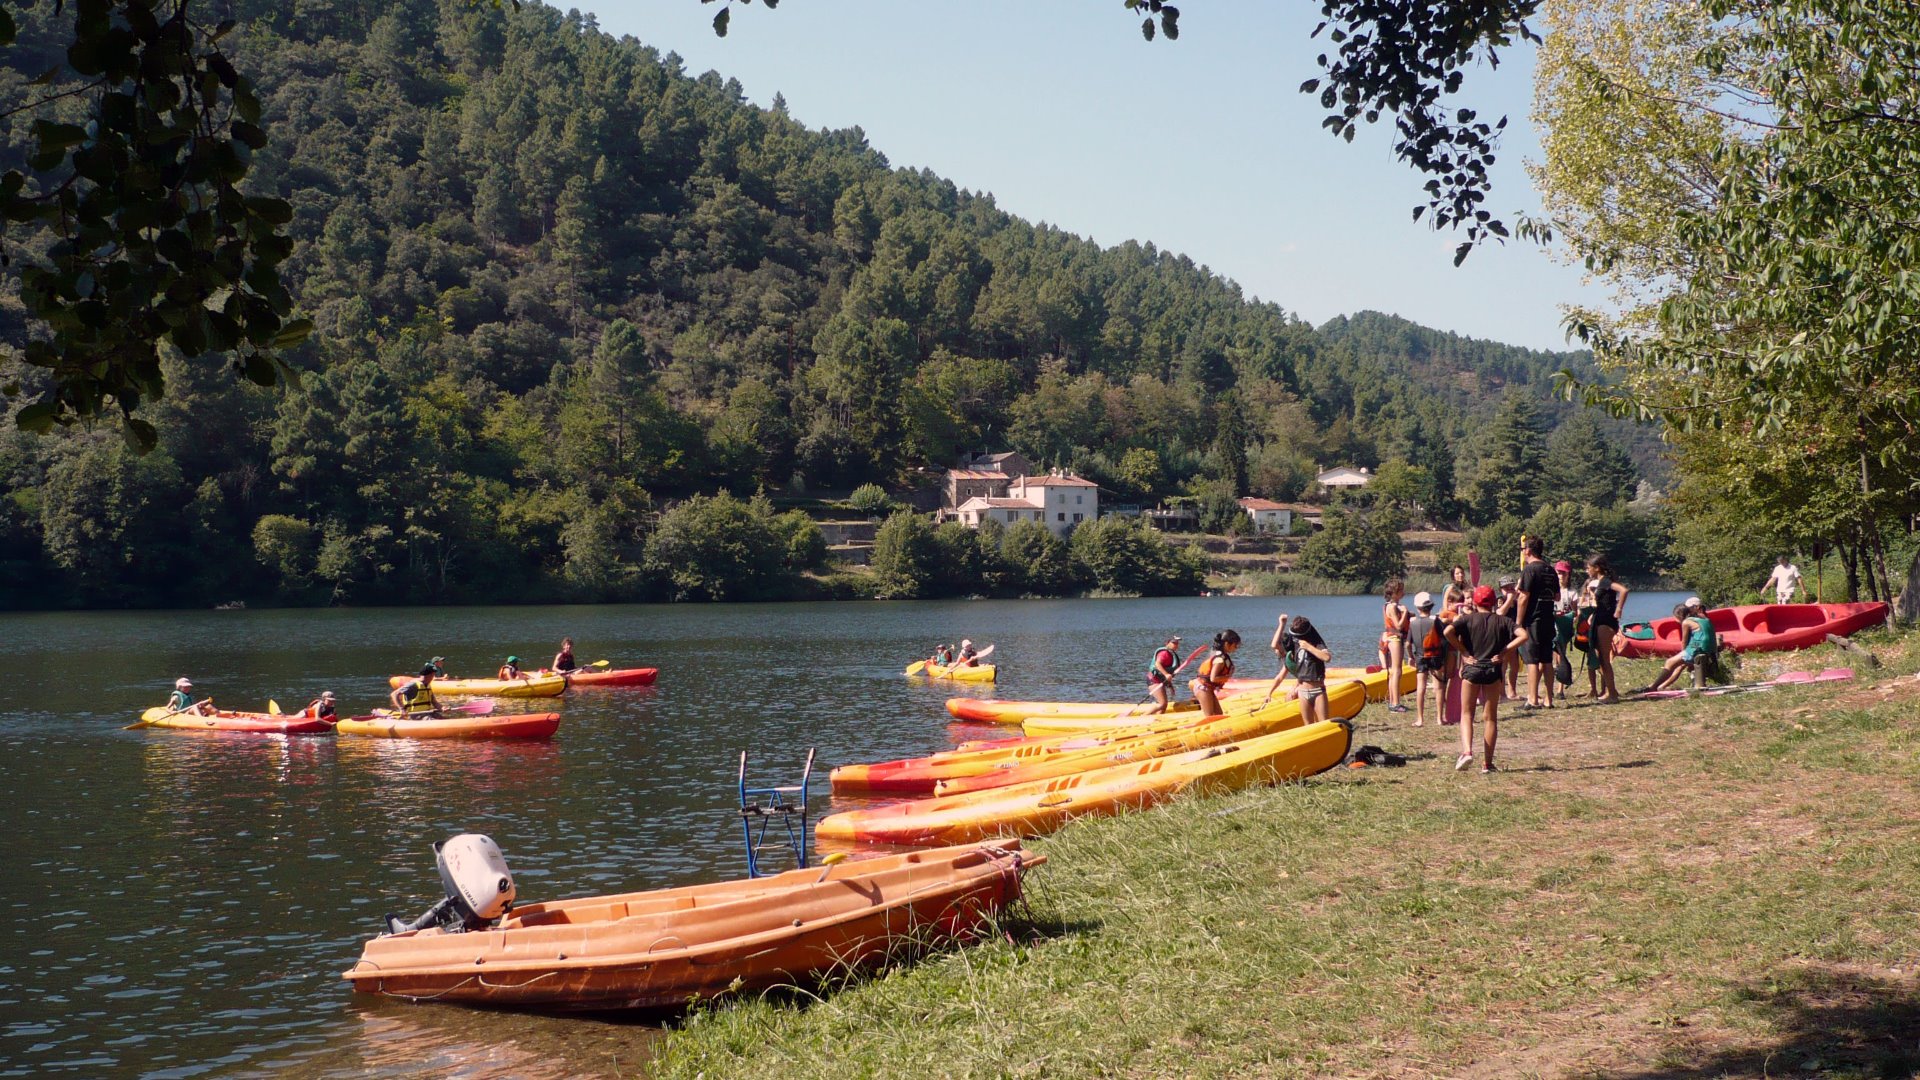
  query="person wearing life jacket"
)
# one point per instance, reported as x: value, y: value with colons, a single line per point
x: 509, y: 670
x: 1303, y: 655
x: 323, y: 707
x: 1702, y: 643
x: 1215, y: 671
x: 969, y: 656
x: 181, y: 700
x: 1160, y: 675
x: 563, y: 660
x: 1427, y: 642
x: 413, y: 699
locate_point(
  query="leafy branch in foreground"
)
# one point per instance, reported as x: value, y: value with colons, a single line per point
x: 153, y: 239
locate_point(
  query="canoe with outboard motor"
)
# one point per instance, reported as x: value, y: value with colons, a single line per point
x: 223, y: 720
x: 524, y: 686
x: 497, y: 726
x: 1759, y: 628
x: 664, y: 949
x: 1043, y: 806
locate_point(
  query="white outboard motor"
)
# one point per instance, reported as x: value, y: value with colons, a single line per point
x: 479, y: 888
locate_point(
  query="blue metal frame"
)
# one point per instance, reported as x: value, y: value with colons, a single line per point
x: 785, y: 805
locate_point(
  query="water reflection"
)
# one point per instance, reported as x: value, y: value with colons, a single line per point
x: 180, y: 903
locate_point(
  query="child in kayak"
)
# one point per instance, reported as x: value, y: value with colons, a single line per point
x: 181, y: 701
x: 322, y: 707
x: 510, y: 670
x: 563, y: 660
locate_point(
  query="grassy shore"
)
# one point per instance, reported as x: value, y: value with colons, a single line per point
x: 1694, y: 888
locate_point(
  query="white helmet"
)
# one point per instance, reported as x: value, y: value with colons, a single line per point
x: 966, y: 642
x: 183, y: 683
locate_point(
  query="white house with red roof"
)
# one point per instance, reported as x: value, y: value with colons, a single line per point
x: 1278, y: 517
x: 1058, y: 499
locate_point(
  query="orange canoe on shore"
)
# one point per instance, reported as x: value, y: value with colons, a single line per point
x: 663, y: 949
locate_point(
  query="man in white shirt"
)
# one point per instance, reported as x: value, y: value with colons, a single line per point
x: 1785, y: 581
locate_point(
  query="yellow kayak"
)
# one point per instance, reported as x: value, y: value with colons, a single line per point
x: 1344, y: 700
x: 1374, y: 683
x: 1040, y: 807
x: 958, y: 673
x: 920, y: 775
x: 524, y: 686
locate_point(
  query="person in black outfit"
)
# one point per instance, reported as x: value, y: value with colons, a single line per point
x: 1484, y: 639
x: 1609, y: 600
x: 1539, y: 592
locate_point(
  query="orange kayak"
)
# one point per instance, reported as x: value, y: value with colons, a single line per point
x: 663, y: 949
x: 500, y: 726
x: 223, y: 720
x: 1038, y: 808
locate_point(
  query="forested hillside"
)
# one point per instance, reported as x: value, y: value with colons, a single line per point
x: 559, y: 283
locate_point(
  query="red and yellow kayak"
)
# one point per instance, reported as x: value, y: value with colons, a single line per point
x: 224, y: 720
x: 1040, y: 807
x: 501, y: 726
x: 524, y: 686
x: 582, y: 677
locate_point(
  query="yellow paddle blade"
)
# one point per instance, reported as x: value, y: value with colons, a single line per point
x: 601, y: 663
x: 916, y: 667
x: 273, y: 707
x: 836, y: 857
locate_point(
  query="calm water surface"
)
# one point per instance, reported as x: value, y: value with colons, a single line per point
x: 181, y: 904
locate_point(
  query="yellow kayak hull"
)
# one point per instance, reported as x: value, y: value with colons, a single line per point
x: 1374, y: 683
x: 976, y: 673
x: 527, y: 686
x: 1040, y: 807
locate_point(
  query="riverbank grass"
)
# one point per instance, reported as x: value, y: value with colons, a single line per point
x: 1705, y: 887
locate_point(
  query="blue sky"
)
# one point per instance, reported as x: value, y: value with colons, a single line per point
x: 1202, y: 145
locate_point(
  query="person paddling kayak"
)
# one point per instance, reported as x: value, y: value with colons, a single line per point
x: 414, y: 700
x: 322, y: 707
x: 181, y: 701
x: 563, y: 660
x: 1166, y: 660
x: 509, y: 670
x: 969, y: 656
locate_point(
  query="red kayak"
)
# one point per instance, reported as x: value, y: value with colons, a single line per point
x: 634, y: 676
x: 1762, y: 628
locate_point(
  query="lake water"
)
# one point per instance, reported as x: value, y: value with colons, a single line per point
x: 181, y: 904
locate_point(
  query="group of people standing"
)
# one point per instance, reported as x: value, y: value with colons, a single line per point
x: 1303, y: 656
x: 1492, y: 638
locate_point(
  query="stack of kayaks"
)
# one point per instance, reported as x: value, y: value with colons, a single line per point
x: 1238, y: 696
x: 1762, y: 628
x: 524, y: 686
x: 224, y: 720
x: 663, y: 949
x: 1057, y: 755
x: 1372, y: 683
x: 499, y: 726
x: 1040, y: 807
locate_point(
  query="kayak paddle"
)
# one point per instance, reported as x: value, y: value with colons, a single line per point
x: 916, y: 667
x: 143, y: 721
x: 273, y: 707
